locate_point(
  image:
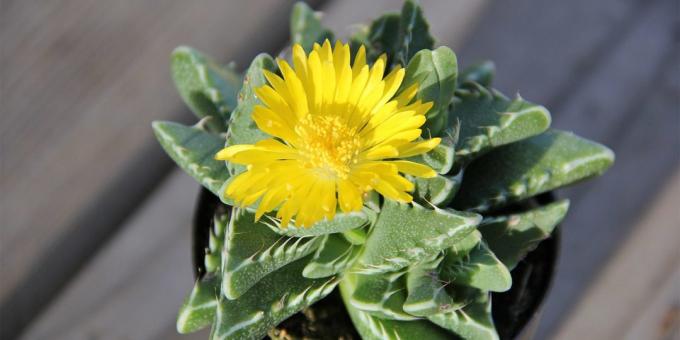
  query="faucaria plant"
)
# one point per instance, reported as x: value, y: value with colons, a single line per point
x: 373, y: 167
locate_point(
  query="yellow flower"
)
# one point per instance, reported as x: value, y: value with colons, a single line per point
x: 339, y: 130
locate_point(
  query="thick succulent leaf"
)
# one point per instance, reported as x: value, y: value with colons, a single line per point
x: 435, y: 71
x: 463, y: 247
x: 272, y: 300
x: 193, y: 149
x: 358, y: 37
x: 481, y: 73
x: 198, y: 310
x: 374, y: 328
x: 479, y: 268
x: 242, y: 128
x: 253, y: 250
x: 213, y: 255
x: 372, y: 201
x: 473, y: 322
x: 208, y: 89
x: 427, y: 293
x: 487, y: 119
x: 414, y: 32
x: 511, y: 237
x: 382, y: 295
x: 383, y: 37
x: 530, y: 167
x: 439, y: 190
x: 340, y: 223
x: 306, y: 28
x: 440, y: 159
x: 356, y: 236
x: 332, y: 257
x: 405, y: 234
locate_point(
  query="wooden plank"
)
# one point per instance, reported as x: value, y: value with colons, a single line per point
x: 645, y: 138
x: 661, y: 319
x: 606, y: 71
x: 643, y: 268
x: 124, y: 284
x: 135, y: 285
x: 82, y: 80
x: 544, y: 48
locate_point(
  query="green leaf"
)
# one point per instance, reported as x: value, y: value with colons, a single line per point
x: 213, y: 255
x: 439, y: 190
x: 272, y: 300
x: 242, y: 128
x: 306, y: 28
x: 530, y: 167
x: 332, y: 257
x: 340, y: 223
x: 427, y: 293
x: 355, y: 236
x: 511, y: 237
x: 193, y: 150
x: 358, y: 37
x: 383, y: 37
x: 253, y: 250
x: 414, y: 32
x: 481, y: 73
x: 372, y: 201
x: 473, y: 322
x: 435, y: 71
x: 463, y: 247
x: 488, y: 119
x: 405, y: 234
x: 382, y: 295
x: 440, y: 159
x: 374, y: 328
x: 208, y: 89
x: 198, y: 310
x: 479, y: 268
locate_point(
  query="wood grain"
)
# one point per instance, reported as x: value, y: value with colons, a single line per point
x: 135, y: 285
x: 645, y: 266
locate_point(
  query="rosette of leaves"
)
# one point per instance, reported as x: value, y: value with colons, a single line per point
x: 405, y: 271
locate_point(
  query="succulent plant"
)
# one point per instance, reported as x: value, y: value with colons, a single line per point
x: 405, y: 270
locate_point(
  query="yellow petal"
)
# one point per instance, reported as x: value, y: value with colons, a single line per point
x: 415, y: 169
x: 349, y: 196
x: 419, y: 147
x: 381, y: 152
x: 359, y: 61
x: 297, y: 91
x: 229, y: 152
x: 339, y: 128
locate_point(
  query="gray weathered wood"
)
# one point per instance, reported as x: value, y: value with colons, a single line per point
x: 622, y: 302
x: 645, y: 137
x: 135, y: 285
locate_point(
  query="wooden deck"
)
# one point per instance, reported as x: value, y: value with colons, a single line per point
x: 94, y: 232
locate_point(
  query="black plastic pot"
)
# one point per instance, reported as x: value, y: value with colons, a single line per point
x: 516, y: 313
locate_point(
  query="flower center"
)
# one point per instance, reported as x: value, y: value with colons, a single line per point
x: 330, y: 146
